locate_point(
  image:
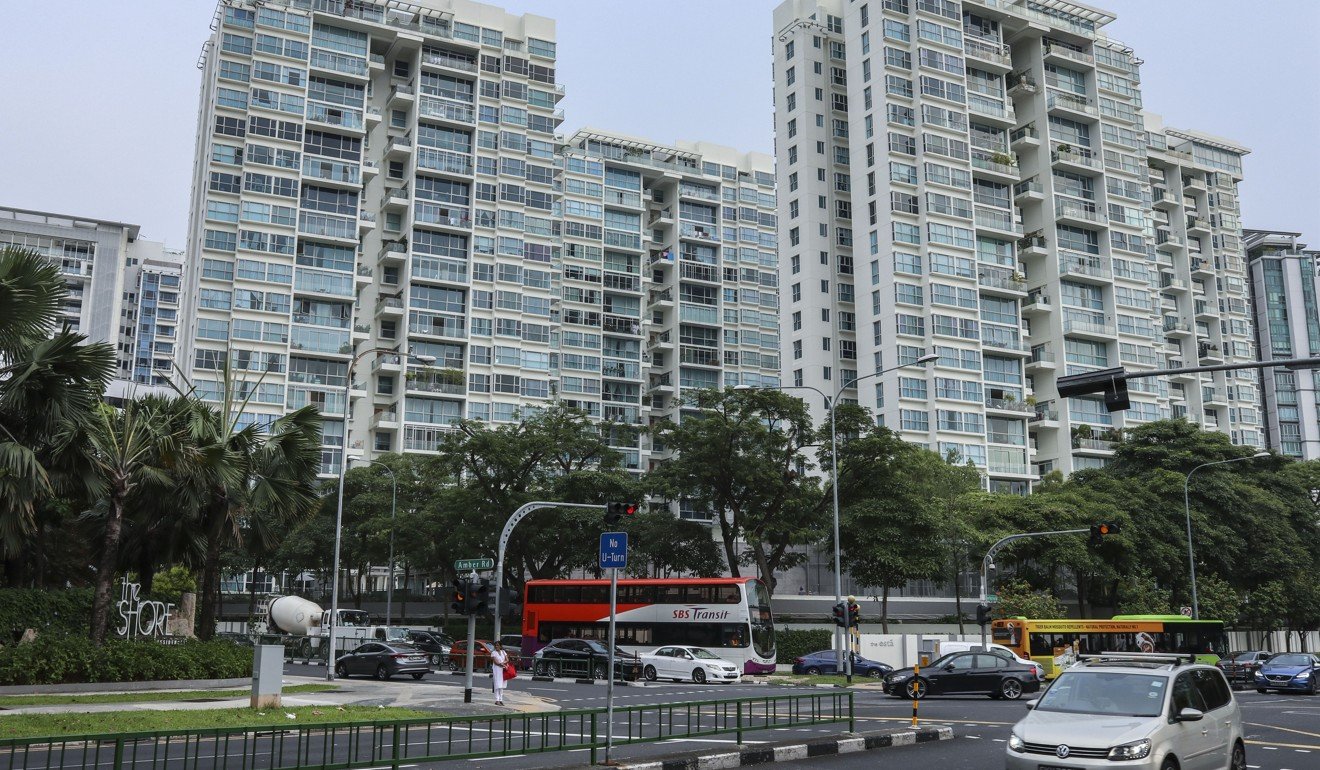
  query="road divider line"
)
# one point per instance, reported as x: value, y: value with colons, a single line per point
x: 1284, y: 729
x: 1272, y: 746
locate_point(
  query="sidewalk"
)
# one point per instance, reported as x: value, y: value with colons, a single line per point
x: 440, y: 696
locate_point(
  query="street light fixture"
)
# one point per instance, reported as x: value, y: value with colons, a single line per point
x: 394, y: 504
x: 339, y: 507
x: 843, y: 661
x: 1187, y: 511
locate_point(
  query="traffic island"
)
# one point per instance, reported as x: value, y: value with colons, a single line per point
x: 760, y: 754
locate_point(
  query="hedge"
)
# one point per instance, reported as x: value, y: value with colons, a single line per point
x: 53, y: 659
x: 49, y: 611
x: 793, y: 644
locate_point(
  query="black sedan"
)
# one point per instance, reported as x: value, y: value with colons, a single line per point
x: 1240, y: 667
x: 383, y: 660
x: 826, y: 662
x: 436, y: 645
x: 976, y: 673
x: 586, y: 658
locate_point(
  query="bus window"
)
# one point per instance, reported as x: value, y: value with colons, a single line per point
x: 726, y: 594
x: 636, y: 595
x: 669, y: 594
x: 595, y: 595
x: 568, y: 594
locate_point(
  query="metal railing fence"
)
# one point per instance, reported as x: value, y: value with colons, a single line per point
x: 396, y: 742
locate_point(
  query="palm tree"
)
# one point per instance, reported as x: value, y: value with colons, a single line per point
x: 248, y: 471
x: 50, y: 380
x: 125, y: 448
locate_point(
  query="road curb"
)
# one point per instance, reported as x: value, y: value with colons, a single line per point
x: 115, y: 687
x: 745, y: 756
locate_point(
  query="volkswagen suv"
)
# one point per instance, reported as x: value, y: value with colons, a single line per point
x: 1132, y: 710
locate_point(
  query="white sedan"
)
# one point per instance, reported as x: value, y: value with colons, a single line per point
x: 695, y: 663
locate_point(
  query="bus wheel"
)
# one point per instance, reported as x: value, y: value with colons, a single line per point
x: 649, y: 673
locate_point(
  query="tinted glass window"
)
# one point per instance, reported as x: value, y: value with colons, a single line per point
x: 988, y: 661
x: 1212, y: 687
x: 1185, y: 694
x: 959, y: 662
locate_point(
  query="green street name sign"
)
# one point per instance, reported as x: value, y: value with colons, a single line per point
x: 466, y: 565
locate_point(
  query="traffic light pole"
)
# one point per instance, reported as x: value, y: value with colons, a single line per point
x: 471, y: 643
x: 1003, y: 541
x: 517, y: 516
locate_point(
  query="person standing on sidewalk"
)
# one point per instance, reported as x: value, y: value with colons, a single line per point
x: 498, y: 660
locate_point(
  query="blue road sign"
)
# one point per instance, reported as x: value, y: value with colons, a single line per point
x: 613, y: 550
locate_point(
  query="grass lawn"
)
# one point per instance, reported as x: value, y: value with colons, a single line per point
x: 43, y: 725
x: 12, y: 701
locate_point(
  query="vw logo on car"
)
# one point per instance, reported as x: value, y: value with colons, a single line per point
x: 1063, y: 751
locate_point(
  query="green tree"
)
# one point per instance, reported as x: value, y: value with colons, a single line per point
x: 50, y: 383
x: 1217, y: 599
x: 1265, y: 608
x: 1139, y: 594
x: 1018, y: 599
x: 663, y: 545
x: 738, y: 456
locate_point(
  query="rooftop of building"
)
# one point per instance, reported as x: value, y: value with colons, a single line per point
x: 63, y: 220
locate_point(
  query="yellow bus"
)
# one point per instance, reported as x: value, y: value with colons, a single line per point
x: 1055, y: 644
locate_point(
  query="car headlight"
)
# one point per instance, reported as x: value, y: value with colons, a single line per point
x: 1260, y: 674
x: 1135, y: 750
x: 1304, y: 675
x: 1015, y: 742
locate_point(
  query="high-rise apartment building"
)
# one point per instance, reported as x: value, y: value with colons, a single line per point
x: 121, y: 289
x: 974, y: 179
x: 388, y: 176
x: 1285, y: 281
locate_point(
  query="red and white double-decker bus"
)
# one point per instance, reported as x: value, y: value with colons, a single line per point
x: 729, y: 616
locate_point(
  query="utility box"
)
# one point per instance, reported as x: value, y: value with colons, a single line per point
x: 267, y: 675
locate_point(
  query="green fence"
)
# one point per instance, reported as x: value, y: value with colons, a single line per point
x: 395, y: 742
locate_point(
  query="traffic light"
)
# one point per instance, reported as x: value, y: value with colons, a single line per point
x: 982, y: 614
x: 510, y: 603
x: 1111, y: 382
x: 840, y: 615
x: 478, y: 596
x: 458, y: 600
x: 614, y: 512
x: 1100, y: 531
x: 854, y: 616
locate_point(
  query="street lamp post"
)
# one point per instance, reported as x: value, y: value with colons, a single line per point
x: 394, y: 506
x: 339, y: 506
x: 1187, y: 511
x: 843, y: 661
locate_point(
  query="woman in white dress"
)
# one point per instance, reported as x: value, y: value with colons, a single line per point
x: 498, y: 659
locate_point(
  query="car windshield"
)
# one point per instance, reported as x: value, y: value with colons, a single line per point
x: 704, y: 654
x: 1109, y: 693
x: 1289, y: 660
x: 1245, y: 657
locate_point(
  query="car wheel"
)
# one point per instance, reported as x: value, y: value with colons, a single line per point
x: 598, y: 672
x: 1239, y: 760
x: 873, y: 673
x: 382, y: 673
x: 552, y: 670
x: 650, y: 673
x: 915, y: 688
x: 698, y: 676
x: 1169, y: 764
x: 341, y: 671
x: 1261, y: 690
x: 538, y: 668
x: 1313, y: 689
x: 813, y: 670
x: 1010, y: 689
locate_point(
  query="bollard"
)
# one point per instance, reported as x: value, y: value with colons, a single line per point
x: 916, y: 690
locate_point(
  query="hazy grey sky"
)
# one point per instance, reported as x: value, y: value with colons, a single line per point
x: 100, y: 99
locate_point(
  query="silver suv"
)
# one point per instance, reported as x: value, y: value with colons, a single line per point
x: 1132, y: 710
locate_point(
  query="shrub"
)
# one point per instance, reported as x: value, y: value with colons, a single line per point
x: 56, y: 659
x: 67, y: 611
x: 792, y: 643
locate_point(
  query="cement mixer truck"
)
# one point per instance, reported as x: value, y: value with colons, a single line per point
x: 303, y: 626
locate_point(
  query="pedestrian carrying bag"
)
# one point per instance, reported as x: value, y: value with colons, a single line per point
x: 509, y: 671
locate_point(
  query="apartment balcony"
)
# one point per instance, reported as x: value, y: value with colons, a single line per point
x: 1205, y: 311
x: 385, y: 420
x: 1176, y: 327
x: 447, y: 60
x: 661, y: 258
x: 661, y: 383
x: 1032, y: 246
x: 997, y: 220
x: 373, y: 117
x: 1045, y: 416
x: 361, y: 332
x: 1028, y: 191
x: 1202, y: 266
x: 698, y: 356
x: 660, y: 298
x: 369, y: 169
x: 1171, y: 284
x: 1161, y: 198
x: 615, y: 324
x: 1198, y: 226
x: 394, y: 250
x: 999, y: 281
x: 1063, y: 54
x: 397, y: 197
x: 1089, y: 330
x: 1009, y: 405
x: 1012, y: 347
x: 992, y: 111
x: 1074, y: 212
x: 1070, y: 105
x: 1075, y: 159
x: 1085, y: 267
x: 366, y: 222
x: 1167, y: 241
x: 446, y: 111
x: 660, y: 341
x: 1021, y: 84
x: 363, y: 277
x: 431, y: 383
x: 1036, y: 303
x: 1214, y: 397
x: 1024, y: 136
x: 1042, y: 357
x: 389, y: 307
x: 695, y: 271
x: 999, y: 165
x: 398, y: 147
x: 699, y: 232
x: 996, y: 55
x: 402, y: 94
x: 1209, y: 352
x: 1193, y: 183
x: 1094, y: 446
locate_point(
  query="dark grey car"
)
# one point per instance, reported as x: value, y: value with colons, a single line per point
x: 383, y: 661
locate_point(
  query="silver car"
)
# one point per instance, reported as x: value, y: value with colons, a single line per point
x: 1125, y: 710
